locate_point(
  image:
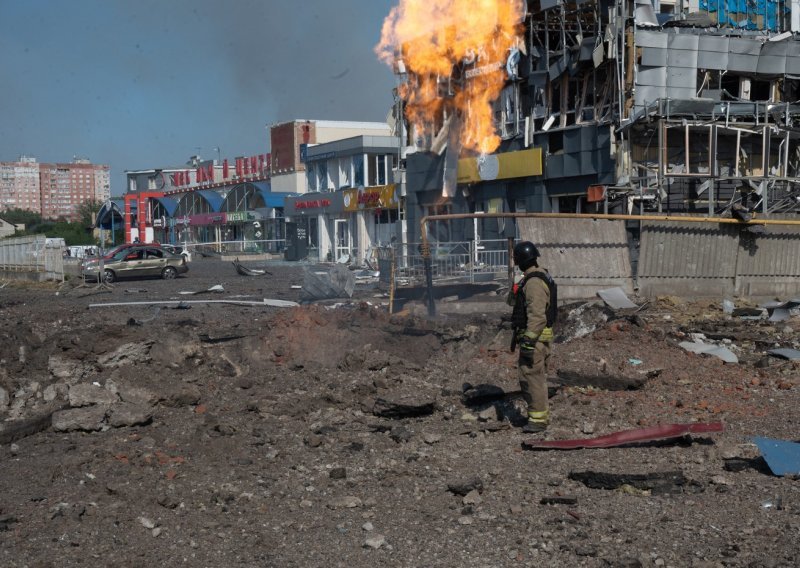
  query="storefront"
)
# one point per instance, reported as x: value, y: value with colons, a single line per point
x: 375, y: 214
x: 328, y: 226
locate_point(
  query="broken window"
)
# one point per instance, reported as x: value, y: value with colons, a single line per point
x: 345, y: 173
x: 506, y: 112
x: 376, y: 169
x: 555, y: 142
x: 322, y: 177
x: 358, y: 170
x: 572, y: 203
x: 311, y: 176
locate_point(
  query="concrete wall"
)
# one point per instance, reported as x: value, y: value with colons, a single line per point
x: 583, y: 255
x: 681, y: 259
x: 691, y: 259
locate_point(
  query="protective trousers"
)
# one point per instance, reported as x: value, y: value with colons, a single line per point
x: 533, y: 382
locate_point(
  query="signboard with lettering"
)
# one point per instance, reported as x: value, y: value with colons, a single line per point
x: 376, y: 197
x: 312, y: 204
x: 207, y: 219
x: 239, y: 216
x: 505, y: 165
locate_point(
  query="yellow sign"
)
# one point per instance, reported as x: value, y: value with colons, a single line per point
x: 376, y: 197
x: 504, y: 165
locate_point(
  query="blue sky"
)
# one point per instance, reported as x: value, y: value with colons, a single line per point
x: 144, y: 83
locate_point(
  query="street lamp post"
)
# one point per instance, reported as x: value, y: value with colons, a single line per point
x: 219, y: 155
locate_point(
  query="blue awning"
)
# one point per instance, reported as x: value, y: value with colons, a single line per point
x: 169, y: 204
x: 276, y: 199
x: 213, y: 198
x: 108, y: 210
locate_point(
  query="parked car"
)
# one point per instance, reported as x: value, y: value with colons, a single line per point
x: 136, y: 261
x: 177, y: 249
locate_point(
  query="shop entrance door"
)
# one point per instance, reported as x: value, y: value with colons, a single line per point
x: 342, y: 232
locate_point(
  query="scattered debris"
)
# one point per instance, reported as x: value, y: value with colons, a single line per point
x: 407, y: 409
x: 464, y: 487
x: 134, y: 321
x: 366, y: 274
x: 657, y: 483
x: 205, y: 338
x: 601, y: 379
x: 214, y: 289
x: 245, y: 271
x: 616, y: 298
x: 781, y: 311
x: 785, y: 353
x: 179, y: 303
x: 756, y: 313
x: 558, y: 500
x: 710, y: 349
x: 625, y: 437
x: 782, y: 457
x: 338, y: 282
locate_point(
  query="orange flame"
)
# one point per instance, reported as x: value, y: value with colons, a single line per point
x: 435, y: 37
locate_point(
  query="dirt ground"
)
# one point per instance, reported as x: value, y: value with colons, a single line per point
x: 337, y: 435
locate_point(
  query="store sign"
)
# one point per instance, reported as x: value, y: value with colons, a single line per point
x: 207, y: 219
x: 378, y: 197
x: 239, y: 216
x: 312, y: 204
x: 504, y: 165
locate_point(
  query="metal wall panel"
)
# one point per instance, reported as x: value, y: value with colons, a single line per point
x: 554, y: 166
x: 682, y: 58
x: 681, y: 77
x: 572, y: 164
x: 717, y: 44
x: 683, y: 41
x: 712, y: 60
x: 772, y: 60
x: 654, y: 57
x: 572, y: 140
x: 589, y: 139
x: 740, y: 63
x: 681, y: 93
x: 793, y: 58
x: 744, y: 46
x: 652, y: 76
x: 645, y: 38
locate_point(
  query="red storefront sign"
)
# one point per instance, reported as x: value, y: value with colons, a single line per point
x: 312, y: 204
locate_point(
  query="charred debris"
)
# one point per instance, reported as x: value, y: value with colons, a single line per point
x: 638, y: 105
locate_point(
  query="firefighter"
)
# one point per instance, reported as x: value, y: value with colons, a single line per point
x: 535, y: 305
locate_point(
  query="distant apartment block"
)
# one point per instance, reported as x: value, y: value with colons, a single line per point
x: 53, y: 190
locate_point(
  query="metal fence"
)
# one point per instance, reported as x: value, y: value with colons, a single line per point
x: 36, y: 255
x: 467, y: 261
x: 273, y: 246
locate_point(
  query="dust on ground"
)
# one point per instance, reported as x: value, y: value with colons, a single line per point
x: 337, y: 435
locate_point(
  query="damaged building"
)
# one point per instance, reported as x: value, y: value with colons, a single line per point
x: 621, y: 107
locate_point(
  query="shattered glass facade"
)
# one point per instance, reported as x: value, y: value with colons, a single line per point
x: 670, y: 106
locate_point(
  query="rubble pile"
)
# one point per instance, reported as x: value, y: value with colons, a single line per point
x: 343, y: 436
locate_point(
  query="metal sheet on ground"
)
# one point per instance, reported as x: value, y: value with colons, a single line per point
x: 662, y: 432
x: 782, y: 457
x: 616, y: 298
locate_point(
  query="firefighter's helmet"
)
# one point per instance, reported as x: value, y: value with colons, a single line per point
x: 525, y: 254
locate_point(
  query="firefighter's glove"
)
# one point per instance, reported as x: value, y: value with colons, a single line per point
x: 547, y: 335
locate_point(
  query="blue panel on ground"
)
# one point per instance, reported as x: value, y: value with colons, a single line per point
x: 782, y: 457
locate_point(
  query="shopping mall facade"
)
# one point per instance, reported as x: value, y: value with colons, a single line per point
x: 242, y: 205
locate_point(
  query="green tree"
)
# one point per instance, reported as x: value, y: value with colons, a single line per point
x: 21, y: 216
x: 87, y: 212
